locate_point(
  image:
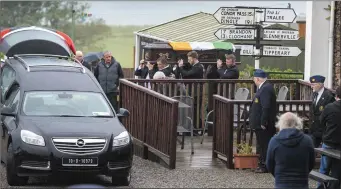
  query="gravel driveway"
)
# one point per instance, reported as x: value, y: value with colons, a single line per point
x: 147, y: 174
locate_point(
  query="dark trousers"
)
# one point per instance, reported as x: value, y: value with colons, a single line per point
x: 317, y: 141
x: 197, y: 106
x: 263, y: 138
x: 113, y: 100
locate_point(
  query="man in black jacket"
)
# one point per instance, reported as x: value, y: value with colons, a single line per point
x: 164, y: 67
x: 263, y: 116
x: 331, y: 120
x: 230, y: 70
x: 321, y: 97
x: 142, y: 70
x: 194, y: 71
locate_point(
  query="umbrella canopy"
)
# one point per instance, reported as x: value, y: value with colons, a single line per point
x: 93, y: 56
x: 201, y: 46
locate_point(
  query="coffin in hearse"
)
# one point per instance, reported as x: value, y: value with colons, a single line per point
x: 35, y: 40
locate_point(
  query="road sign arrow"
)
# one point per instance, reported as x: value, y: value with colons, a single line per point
x: 275, y: 34
x: 235, y: 33
x: 281, y: 51
x: 235, y: 16
x: 279, y: 15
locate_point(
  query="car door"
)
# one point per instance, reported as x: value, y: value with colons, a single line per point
x: 8, y: 123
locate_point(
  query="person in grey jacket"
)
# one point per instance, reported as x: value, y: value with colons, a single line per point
x: 108, y: 73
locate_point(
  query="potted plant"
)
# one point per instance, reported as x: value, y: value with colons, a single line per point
x: 245, y: 158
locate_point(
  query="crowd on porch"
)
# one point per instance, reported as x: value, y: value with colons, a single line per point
x: 284, y: 150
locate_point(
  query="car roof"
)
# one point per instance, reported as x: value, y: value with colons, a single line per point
x: 51, y: 73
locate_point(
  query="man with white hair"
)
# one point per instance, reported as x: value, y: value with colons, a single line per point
x: 263, y: 116
x: 290, y: 155
x: 79, y: 56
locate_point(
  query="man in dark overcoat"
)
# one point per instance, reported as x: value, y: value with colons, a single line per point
x: 321, y: 97
x: 263, y: 116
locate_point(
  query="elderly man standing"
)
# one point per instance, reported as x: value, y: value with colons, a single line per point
x: 263, y: 116
x: 108, y: 73
x: 321, y: 97
x: 80, y: 58
x: 290, y: 155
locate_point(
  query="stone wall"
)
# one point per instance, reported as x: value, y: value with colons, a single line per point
x: 337, y: 44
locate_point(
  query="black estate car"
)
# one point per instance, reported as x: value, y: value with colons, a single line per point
x: 55, y: 118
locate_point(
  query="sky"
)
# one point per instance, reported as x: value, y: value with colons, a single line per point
x: 158, y: 12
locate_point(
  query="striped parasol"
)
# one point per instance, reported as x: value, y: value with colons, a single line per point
x: 201, y: 46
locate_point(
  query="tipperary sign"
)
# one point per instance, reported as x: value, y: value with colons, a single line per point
x: 281, y: 51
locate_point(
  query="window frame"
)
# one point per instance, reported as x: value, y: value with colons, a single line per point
x: 3, y: 92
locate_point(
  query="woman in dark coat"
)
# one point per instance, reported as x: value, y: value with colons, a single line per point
x: 290, y: 155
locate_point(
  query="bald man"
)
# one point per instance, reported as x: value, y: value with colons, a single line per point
x: 79, y: 56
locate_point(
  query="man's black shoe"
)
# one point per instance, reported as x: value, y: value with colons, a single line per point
x: 261, y: 170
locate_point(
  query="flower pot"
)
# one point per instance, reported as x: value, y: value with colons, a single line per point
x: 242, y: 161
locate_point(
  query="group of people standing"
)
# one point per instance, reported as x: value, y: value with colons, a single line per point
x: 289, y: 155
x: 225, y: 69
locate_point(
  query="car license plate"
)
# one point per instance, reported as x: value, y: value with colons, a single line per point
x: 80, y: 161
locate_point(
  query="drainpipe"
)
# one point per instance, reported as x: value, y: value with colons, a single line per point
x: 331, y: 44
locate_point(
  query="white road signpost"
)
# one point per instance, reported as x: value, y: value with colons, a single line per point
x: 281, y: 51
x: 234, y: 33
x: 246, y: 50
x: 279, y: 15
x: 235, y: 16
x: 287, y: 35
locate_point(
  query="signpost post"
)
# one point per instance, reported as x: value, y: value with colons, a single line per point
x: 254, y: 17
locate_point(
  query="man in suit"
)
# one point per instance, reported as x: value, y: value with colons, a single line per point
x: 195, y: 70
x: 263, y: 116
x: 321, y: 97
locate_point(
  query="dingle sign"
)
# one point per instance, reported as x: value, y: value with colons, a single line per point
x: 235, y: 16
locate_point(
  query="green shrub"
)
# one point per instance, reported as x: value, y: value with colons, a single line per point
x: 248, y: 71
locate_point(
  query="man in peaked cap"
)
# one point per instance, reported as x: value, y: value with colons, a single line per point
x: 321, y: 97
x: 262, y: 117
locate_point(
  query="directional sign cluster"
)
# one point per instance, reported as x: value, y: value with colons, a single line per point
x: 245, y: 16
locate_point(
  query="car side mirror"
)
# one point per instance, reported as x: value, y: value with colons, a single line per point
x: 7, y: 111
x: 123, y: 112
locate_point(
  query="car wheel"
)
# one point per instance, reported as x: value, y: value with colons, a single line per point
x: 12, y: 178
x: 121, y: 180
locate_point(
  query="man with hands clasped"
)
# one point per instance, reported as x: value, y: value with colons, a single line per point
x: 262, y: 117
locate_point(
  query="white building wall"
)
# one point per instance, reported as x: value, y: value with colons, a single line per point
x: 316, y: 44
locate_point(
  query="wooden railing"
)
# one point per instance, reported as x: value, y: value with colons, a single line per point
x: 152, y: 122
x: 231, y: 117
x: 202, y: 90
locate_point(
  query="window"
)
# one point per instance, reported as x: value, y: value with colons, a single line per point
x: 7, y: 77
x: 66, y: 104
x: 13, y: 100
